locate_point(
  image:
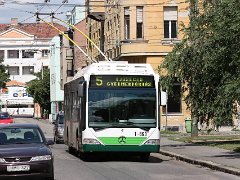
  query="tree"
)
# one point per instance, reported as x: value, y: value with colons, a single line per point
x: 4, y: 76
x: 39, y: 88
x: 207, y: 62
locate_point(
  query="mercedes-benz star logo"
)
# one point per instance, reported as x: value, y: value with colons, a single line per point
x: 122, y: 140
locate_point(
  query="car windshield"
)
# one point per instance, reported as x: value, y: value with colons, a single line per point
x: 61, y: 119
x: 129, y: 107
x: 20, y: 135
x: 4, y: 115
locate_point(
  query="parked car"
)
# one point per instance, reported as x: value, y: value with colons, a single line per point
x: 25, y: 152
x: 58, y: 128
x: 5, y: 118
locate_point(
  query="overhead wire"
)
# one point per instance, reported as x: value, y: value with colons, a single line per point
x: 84, y: 5
x: 61, y: 32
x: 112, y: 6
x: 85, y: 37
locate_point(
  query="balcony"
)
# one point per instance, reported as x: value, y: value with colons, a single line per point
x: 95, y: 9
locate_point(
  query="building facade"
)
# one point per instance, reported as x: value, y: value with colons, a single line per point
x: 25, y: 50
x: 71, y: 57
x: 77, y: 18
x: 140, y: 32
x: 80, y: 60
x: 56, y: 94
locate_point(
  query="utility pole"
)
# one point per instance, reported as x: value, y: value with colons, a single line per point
x: 42, y: 71
x: 166, y: 111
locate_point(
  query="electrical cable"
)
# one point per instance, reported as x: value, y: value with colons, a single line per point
x: 107, y: 59
x: 61, y: 32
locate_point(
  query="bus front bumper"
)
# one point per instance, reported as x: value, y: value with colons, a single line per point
x: 120, y: 148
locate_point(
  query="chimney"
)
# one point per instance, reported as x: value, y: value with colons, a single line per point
x: 14, y: 21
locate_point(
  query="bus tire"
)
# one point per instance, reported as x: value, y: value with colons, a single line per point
x: 83, y: 155
x: 70, y: 149
x: 145, y: 157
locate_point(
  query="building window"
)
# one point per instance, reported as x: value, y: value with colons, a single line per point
x: 45, y: 53
x: 13, y: 54
x: 175, y: 100
x: 45, y: 68
x: 27, y: 54
x: 69, y: 69
x: 170, y: 22
x: 126, y: 23
x: 139, y: 22
x: 1, y: 54
x: 27, y: 70
x: 13, y: 70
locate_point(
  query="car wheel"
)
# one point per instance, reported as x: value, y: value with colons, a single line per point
x: 52, y: 177
x: 56, y: 140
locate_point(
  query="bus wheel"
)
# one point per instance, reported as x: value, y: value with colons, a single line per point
x: 145, y: 157
x: 70, y: 149
x: 83, y: 155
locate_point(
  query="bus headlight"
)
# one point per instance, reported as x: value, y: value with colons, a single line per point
x: 90, y: 141
x: 152, y: 142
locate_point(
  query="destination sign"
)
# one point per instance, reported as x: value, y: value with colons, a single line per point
x: 121, y: 81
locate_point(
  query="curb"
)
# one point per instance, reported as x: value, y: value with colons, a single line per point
x: 209, y: 164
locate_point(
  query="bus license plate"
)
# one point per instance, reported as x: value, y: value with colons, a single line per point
x: 18, y: 168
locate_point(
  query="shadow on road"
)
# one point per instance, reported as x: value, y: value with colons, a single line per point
x: 115, y: 156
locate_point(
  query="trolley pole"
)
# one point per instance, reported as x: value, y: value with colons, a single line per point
x: 166, y: 111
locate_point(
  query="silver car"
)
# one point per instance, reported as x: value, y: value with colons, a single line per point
x: 58, y: 128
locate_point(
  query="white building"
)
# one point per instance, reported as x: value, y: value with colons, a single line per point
x: 25, y: 50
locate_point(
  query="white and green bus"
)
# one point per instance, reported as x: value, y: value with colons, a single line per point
x: 113, y: 107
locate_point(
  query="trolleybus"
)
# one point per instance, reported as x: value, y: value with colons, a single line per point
x: 113, y: 107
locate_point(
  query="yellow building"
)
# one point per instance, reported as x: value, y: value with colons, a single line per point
x: 140, y: 32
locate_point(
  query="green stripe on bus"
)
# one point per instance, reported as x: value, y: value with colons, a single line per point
x: 122, y: 140
x: 123, y: 148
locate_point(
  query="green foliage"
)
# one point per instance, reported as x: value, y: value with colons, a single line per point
x: 39, y: 88
x: 4, y: 77
x: 207, y: 61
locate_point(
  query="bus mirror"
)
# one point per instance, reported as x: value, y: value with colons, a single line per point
x: 81, y: 89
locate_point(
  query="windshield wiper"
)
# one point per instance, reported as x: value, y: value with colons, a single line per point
x: 129, y: 124
x: 122, y: 125
x: 20, y: 142
x: 99, y: 128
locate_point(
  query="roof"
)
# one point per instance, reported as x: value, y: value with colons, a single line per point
x: 116, y: 68
x: 40, y: 30
x: 15, y: 83
x: 2, y: 26
x: 19, y: 125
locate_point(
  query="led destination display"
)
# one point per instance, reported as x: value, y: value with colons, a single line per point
x: 121, y: 81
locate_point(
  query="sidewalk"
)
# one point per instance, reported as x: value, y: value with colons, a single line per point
x: 211, y: 157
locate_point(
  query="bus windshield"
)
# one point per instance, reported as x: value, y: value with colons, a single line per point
x: 122, y: 107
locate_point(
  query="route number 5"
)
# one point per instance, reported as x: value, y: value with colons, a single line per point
x: 99, y: 81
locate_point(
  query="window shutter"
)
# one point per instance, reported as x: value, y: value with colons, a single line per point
x: 170, y: 13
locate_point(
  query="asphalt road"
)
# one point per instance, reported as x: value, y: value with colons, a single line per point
x: 118, y: 167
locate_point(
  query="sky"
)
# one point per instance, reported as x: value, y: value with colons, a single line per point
x: 25, y: 10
